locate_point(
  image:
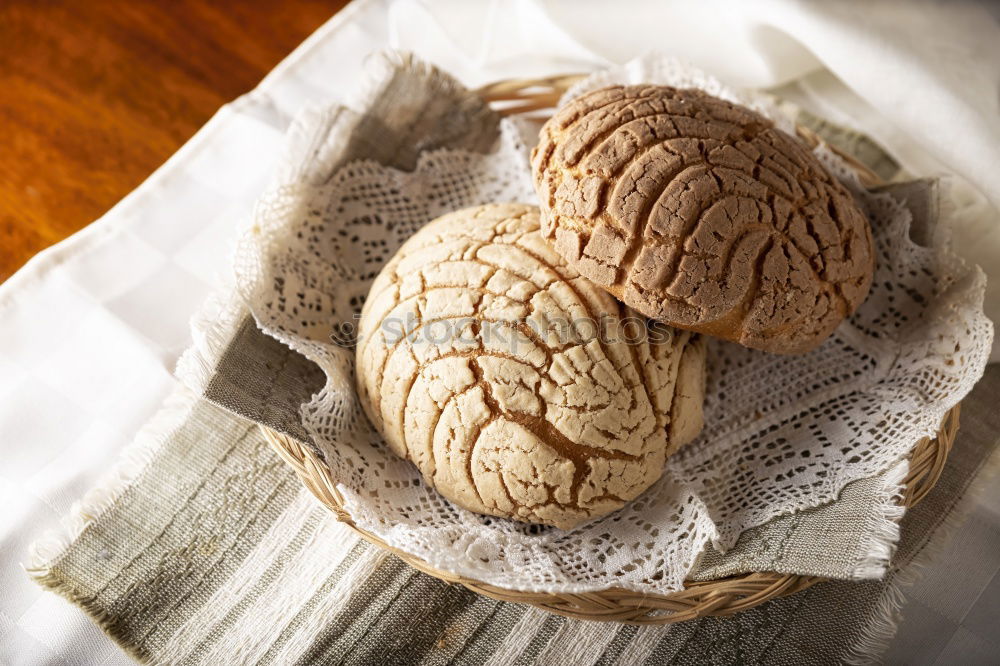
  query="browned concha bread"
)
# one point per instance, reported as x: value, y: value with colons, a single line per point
x: 700, y: 213
x: 517, y: 387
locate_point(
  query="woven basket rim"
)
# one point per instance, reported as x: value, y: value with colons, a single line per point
x: 720, y: 597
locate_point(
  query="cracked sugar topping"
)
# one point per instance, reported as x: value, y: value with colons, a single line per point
x: 701, y: 213
x: 517, y: 387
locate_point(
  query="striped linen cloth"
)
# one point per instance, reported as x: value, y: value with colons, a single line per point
x: 216, y: 555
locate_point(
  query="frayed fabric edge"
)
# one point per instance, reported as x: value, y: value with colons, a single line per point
x: 881, y: 534
x: 45, y: 552
x: 212, y: 330
x: 888, y: 612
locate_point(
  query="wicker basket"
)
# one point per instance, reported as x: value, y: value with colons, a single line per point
x: 725, y: 596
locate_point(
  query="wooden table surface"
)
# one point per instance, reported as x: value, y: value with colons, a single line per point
x: 97, y: 94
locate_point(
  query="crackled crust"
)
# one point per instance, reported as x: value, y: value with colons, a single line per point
x: 700, y: 213
x: 466, y: 368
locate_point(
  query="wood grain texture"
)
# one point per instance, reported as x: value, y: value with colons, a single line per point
x: 97, y: 94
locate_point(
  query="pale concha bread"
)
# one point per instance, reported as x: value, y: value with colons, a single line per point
x: 478, y: 360
x: 700, y: 213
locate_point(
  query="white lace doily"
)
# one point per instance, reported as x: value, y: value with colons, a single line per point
x: 782, y: 433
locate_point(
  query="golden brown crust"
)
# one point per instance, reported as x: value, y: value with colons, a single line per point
x: 476, y: 363
x: 700, y: 213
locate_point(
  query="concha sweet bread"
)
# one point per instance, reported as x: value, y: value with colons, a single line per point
x: 517, y: 387
x: 700, y: 213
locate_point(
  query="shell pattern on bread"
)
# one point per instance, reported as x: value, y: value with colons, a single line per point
x: 700, y: 213
x: 478, y: 361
